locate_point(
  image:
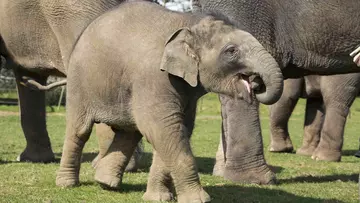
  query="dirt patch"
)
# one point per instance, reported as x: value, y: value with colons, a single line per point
x: 8, y: 113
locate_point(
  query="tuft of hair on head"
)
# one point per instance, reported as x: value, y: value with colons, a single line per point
x: 217, y: 15
x: 210, y: 25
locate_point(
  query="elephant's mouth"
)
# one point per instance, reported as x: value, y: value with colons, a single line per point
x: 251, y: 84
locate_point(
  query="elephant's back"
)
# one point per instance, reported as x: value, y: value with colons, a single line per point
x: 330, y: 27
x: 133, y: 31
x: 120, y: 46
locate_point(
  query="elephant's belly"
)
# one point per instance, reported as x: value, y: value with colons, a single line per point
x: 28, y: 40
x: 34, y: 57
x: 117, y: 116
x: 312, y: 86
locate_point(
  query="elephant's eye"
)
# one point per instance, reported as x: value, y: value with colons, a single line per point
x: 231, y: 51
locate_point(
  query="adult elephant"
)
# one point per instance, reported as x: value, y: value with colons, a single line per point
x: 356, y: 58
x: 305, y: 37
x: 329, y: 99
x: 37, y: 38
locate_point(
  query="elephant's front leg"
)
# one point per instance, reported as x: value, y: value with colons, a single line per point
x: 314, y: 117
x: 159, y: 181
x: 33, y: 120
x: 244, y: 155
x: 169, y: 138
x: 111, y: 166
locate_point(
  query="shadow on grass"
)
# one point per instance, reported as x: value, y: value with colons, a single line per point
x: 86, y: 157
x: 321, y: 179
x: 7, y: 162
x: 126, y: 188
x: 276, y: 169
x: 56, y: 160
x: 349, y: 152
x: 205, y: 164
x: 145, y: 162
x: 233, y: 193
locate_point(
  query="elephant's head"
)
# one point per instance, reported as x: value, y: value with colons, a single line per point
x: 223, y: 59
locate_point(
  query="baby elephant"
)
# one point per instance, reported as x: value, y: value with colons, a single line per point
x: 140, y: 69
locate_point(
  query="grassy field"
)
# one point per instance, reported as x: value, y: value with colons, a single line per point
x: 300, y: 178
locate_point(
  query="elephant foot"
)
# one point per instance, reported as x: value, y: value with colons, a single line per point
x: 281, y: 145
x: 326, y: 155
x: 306, y: 150
x: 261, y: 177
x: 66, y: 180
x: 106, y: 180
x: 160, y: 196
x: 194, y: 197
x: 37, y: 156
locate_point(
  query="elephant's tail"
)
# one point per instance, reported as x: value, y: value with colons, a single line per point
x: 30, y: 83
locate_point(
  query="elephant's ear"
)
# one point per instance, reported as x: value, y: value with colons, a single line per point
x: 179, y: 58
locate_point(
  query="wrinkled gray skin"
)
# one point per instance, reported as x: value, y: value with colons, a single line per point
x: 106, y: 139
x: 356, y: 58
x: 329, y: 99
x: 196, y: 54
x: 39, y: 45
x: 305, y: 37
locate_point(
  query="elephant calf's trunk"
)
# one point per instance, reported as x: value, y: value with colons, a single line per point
x: 270, y: 73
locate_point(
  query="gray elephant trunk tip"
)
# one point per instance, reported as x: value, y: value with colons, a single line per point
x: 271, y: 90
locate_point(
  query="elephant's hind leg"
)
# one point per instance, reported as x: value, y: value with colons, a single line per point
x: 314, y: 117
x: 105, y: 138
x: 33, y: 120
x: 280, y: 113
x: 339, y: 93
x: 111, y: 166
x: 331, y: 139
x: 78, y: 130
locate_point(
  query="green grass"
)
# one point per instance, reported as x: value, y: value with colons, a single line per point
x: 8, y: 94
x: 300, y: 178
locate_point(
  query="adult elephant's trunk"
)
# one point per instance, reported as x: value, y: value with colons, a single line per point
x: 269, y: 90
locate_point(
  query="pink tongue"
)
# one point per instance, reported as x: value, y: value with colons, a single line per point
x: 247, y: 85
